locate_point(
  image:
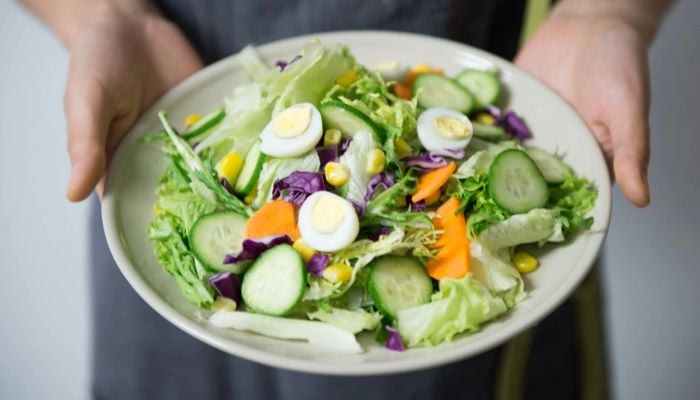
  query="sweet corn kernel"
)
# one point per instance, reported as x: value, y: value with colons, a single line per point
x: 402, y: 148
x: 223, y: 304
x: 337, y: 174
x: 524, y: 262
x: 332, y: 137
x: 157, y: 211
x: 432, y: 199
x: 337, y: 273
x: 422, y: 67
x: 485, y: 118
x: 401, y: 201
x: 230, y: 167
x: 251, y: 196
x: 302, y: 248
x: 192, y: 119
x: 347, y: 78
x: 375, y: 161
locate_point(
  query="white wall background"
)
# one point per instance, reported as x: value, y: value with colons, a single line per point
x: 653, y: 256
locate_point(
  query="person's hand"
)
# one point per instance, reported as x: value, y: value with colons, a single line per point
x: 598, y: 62
x: 120, y: 62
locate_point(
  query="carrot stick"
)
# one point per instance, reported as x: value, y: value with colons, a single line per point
x: 432, y: 181
x: 274, y: 218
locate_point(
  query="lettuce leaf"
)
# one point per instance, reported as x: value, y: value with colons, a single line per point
x: 355, y: 158
x: 460, y: 305
x: 497, y: 273
x: 573, y: 199
x: 538, y: 225
x: 278, y: 168
x: 383, y: 208
x: 172, y: 253
x: 251, y: 106
x: 353, y: 321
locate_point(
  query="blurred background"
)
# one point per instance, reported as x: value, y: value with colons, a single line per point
x: 652, y: 257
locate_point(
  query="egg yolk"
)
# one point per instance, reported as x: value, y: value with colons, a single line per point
x: 451, y: 127
x: 292, y: 122
x: 327, y: 214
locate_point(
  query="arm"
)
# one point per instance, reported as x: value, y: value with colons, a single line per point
x: 121, y: 60
x: 594, y: 53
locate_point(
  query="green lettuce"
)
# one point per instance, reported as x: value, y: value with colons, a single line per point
x: 250, y: 107
x: 383, y: 208
x: 573, y: 198
x: 353, y: 321
x: 355, y: 158
x: 538, y: 225
x: 496, y: 272
x: 169, y: 240
x: 460, y: 305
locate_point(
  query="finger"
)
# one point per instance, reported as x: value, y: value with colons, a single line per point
x: 87, y: 116
x: 630, y: 141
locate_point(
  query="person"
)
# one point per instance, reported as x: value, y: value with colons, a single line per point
x: 124, y: 54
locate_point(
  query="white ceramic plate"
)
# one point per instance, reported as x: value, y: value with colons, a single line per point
x: 129, y: 195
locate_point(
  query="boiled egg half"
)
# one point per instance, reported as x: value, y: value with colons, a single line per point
x: 440, y: 128
x: 292, y: 132
x: 328, y: 222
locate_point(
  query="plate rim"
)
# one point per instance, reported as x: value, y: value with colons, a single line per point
x: 109, y: 214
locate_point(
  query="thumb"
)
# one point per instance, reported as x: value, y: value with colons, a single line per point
x: 87, y: 116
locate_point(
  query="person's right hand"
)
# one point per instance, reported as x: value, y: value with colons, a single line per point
x: 120, y: 62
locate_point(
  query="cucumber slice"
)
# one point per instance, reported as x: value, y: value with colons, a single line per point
x: 252, y: 165
x: 274, y: 284
x: 347, y: 119
x: 483, y: 85
x: 205, y: 124
x: 515, y: 182
x: 215, y: 235
x: 490, y: 133
x: 435, y: 90
x: 397, y: 283
x: 552, y: 167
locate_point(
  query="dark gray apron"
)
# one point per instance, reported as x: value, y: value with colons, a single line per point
x: 139, y: 355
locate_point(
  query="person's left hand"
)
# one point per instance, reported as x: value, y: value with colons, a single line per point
x: 599, y: 64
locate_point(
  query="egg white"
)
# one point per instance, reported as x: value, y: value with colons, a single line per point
x: 430, y: 136
x: 392, y: 71
x: 341, y: 237
x: 273, y: 145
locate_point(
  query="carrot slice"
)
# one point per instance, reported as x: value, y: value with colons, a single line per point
x: 403, y: 91
x: 432, y: 181
x: 274, y: 218
x: 452, y: 261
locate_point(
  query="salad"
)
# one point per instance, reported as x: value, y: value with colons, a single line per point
x: 326, y: 198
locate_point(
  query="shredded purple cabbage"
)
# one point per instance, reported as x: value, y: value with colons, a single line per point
x: 226, y: 185
x: 433, y: 159
x: 425, y: 160
x: 456, y: 154
x: 317, y: 264
x: 359, y: 207
x: 417, y: 206
x: 284, y: 64
x: 344, y: 144
x: 515, y: 125
x: 227, y: 284
x: 383, y: 180
x: 510, y: 121
x: 328, y: 154
x: 298, y: 186
x: 377, y: 233
x: 252, y: 248
x: 394, y: 341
